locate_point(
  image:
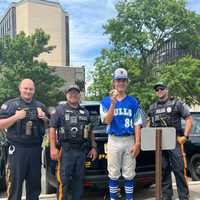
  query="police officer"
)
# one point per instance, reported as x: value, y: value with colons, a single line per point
x: 167, y: 112
x: 25, y: 120
x: 74, y: 134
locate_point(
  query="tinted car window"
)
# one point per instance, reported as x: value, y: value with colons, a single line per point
x: 195, y: 123
x: 94, y: 115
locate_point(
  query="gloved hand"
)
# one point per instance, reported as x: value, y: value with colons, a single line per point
x: 181, y: 139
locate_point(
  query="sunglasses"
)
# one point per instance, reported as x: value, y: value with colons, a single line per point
x: 160, y: 88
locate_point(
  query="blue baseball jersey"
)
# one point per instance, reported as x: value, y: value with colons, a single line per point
x: 127, y: 114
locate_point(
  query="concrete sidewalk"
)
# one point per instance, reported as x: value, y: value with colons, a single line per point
x: 194, y: 187
x: 142, y: 194
x: 149, y: 193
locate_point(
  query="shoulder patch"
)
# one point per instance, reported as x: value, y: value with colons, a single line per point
x: 4, y: 106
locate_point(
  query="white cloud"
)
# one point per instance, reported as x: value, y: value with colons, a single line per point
x: 86, y: 33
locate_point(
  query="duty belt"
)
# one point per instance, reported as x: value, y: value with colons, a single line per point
x: 67, y: 146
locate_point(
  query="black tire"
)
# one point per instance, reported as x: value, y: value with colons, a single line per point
x: 195, y: 167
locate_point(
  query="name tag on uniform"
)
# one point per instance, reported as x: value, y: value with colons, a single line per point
x: 161, y: 110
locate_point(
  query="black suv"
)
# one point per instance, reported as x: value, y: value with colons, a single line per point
x: 96, y: 172
x: 192, y: 148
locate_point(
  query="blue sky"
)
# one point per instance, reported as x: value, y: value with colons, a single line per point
x: 86, y: 20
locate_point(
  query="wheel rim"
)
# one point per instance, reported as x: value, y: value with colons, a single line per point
x: 196, y: 168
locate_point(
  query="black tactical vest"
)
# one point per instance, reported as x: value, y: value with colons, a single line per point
x: 75, y: 126
x: 30, y: 129
x: 165, y: 114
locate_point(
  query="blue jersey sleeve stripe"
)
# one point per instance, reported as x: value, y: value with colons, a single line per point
x: 138, y: 117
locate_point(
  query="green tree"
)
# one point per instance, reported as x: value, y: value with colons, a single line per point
x: 18, y: 60
x: 139, y: 30
x: 183, y: 79
x: 143, y: 26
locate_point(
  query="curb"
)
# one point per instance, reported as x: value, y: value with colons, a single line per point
x: 194, y: 182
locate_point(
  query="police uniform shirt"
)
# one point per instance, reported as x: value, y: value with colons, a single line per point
x: 127, y: 114
x: 62, y: 114
x: 9, y: 108
x: 176, y: 107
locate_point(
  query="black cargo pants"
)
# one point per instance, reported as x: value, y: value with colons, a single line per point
x: 173, y: 161
x: 71, y: 173
x: 24, y: 163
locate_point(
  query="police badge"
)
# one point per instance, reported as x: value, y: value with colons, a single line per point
x: 169, y: 109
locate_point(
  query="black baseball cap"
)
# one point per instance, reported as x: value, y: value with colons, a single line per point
x: 161, y: 84
x: 72, y: 87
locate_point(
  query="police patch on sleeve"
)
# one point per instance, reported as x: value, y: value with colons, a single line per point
x: 4, y: 106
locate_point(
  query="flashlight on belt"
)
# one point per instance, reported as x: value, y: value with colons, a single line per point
x: 29, y: 125
x: 86, y: 132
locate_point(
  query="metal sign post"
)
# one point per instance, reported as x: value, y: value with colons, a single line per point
x: 158, y: 158
x: 158, y: 139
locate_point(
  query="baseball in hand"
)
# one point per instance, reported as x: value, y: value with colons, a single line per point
x: 113, y: 93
